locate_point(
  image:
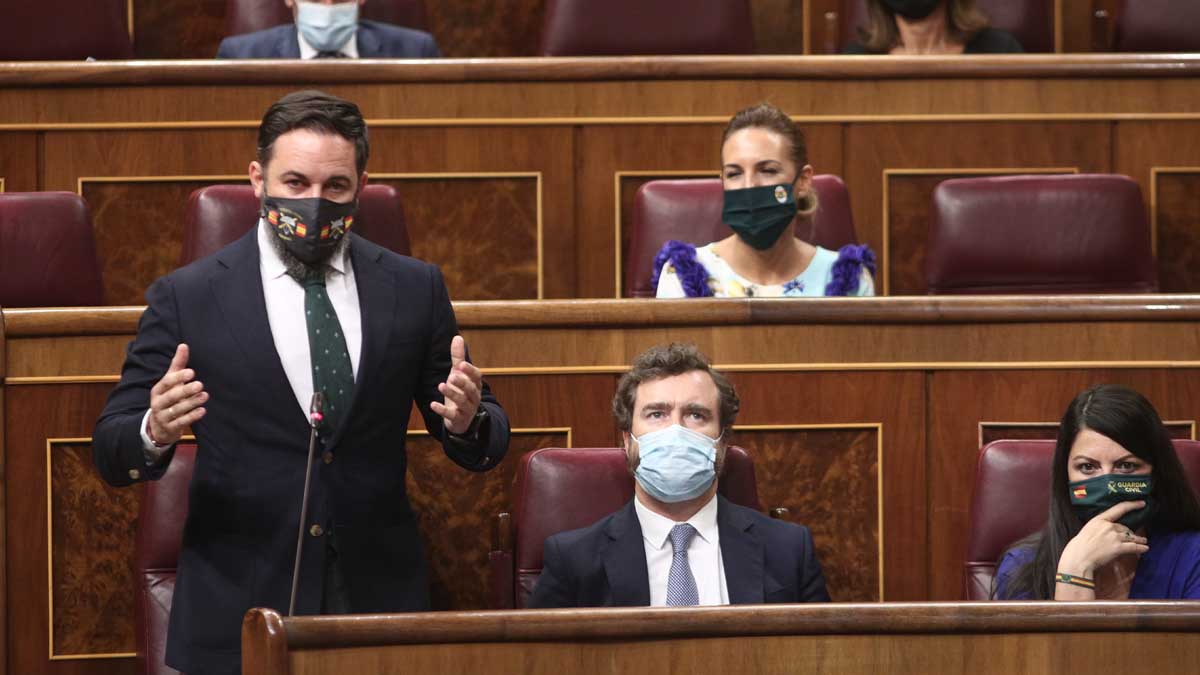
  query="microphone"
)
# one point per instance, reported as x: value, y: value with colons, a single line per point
x: 315, y: 417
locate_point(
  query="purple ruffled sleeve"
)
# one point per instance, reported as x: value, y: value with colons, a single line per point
x: 692, y: 275
x: 847, y: 271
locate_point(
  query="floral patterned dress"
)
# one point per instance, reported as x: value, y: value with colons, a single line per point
x: 684, y: 271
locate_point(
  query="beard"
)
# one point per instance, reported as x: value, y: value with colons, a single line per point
x: 299, y: 269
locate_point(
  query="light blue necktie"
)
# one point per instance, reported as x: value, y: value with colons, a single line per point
x: 681, y: 585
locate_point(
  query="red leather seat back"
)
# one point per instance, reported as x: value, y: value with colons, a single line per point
x: 219, y: 214
x: 1030, y: 21
x: 1039, y: 234
x: 1012, y: 500
x: 1158, y: 26
x: 642, y: 27
x: 57, y: 30
x: 560, y: 489
x: 247, y: 16
x: 690, y: 211
x: 47, y: 252
x: 156, y: 556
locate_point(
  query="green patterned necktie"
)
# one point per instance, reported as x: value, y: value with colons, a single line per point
x: 333, y: 375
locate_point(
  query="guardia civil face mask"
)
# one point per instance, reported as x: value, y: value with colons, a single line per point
x: 1091, y: 497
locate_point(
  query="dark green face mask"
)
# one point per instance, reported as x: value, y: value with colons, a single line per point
x: 1091, y: 497
x: 759, y: 215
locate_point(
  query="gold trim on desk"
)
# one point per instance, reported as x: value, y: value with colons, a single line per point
x: 129, y: 18
x: 216, y: 178
x: 900, y: 118
x: 1154, y: 173
x: 884, y: 267
x: 882, y: 366
x: 1058, y: 27
x: 878, y: 428
x: 656, y: 173
x: 1047, y: 425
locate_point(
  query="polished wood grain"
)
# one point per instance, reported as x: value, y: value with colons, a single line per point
x: 1176, y: 214
x: 18, y: 161
x: 838, y: 638
x: 1048, y: 431
x: 177, y: 29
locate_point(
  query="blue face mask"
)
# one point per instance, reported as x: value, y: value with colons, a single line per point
x: 326, y: 27
x: 676, y: 464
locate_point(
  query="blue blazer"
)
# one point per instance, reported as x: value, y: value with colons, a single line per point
x: 375, y: 41
x: 604, y: 565
x: 244, y: 498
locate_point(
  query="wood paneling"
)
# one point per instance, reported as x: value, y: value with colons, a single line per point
x: 959, y: 401
x: 461, y: 222
x: 828, y: 479
x: 187, y: 29
x: 1141, y: 148
x: 138, y: 227
x: 486, y: 28
x: 994, y: 431
x: 974, y: 147
x: 454, y: 509
x: 18, y: 162
x: 1176, y: 220
x: 91, y: 549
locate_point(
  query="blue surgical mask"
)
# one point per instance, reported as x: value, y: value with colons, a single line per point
x: 676, y: 464
x: 327, y: 27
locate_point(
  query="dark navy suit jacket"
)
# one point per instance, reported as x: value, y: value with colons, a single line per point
x: 375, y: 41
x: 244, y: 498
x: 604, y: 565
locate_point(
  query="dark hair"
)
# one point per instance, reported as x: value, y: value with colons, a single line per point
x: 963, y: 19
x: 315, y: 111
x: 663, y: 361
x: 766, y: 116
x: 1126, y: 417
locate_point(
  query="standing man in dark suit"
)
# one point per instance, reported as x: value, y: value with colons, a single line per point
x: 234, y: 346
x: 330, y: 29
x: 678, y: 542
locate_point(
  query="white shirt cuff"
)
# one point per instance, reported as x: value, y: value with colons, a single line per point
x: 152, y: 451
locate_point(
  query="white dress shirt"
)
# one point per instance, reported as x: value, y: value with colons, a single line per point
x: 349, y: 50
x: 704, y: 553
x: 285, y: 312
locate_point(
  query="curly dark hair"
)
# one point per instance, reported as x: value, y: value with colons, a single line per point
x: 667, y: 361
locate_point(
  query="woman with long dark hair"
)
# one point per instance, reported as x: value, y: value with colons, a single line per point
x: 929, y: 27
x: 1124, y: 522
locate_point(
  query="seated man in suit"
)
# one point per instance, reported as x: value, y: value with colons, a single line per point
x: 678, y: 542
x: 330, y: 29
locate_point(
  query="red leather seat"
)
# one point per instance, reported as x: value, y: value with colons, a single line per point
x: 156, y: 556
x: 47, y: 253
x: 690, y: 211
x: 1030, y: 21
x: 642, y: 27
x: 217, y: 215
x: 247, y: 16
x: 1012, y: 499
x: 560, y: 489
x: 1039, y: 234
x: 1158, y: 26
x: 57, y: 30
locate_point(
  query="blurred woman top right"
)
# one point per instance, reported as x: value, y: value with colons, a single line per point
x: 929, y: 27
x: 1123, y: 522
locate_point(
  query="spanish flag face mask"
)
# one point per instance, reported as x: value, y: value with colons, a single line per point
x: 1091, y: 497
x: 311, y: 227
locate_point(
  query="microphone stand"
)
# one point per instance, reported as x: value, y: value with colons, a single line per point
x: 315, y: 417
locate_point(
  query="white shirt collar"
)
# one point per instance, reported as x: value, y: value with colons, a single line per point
x: 307, y: 51
x: 656, y: 529
x: 272, y: 264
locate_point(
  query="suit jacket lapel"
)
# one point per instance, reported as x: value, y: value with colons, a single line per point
x: 625, y: 560
x: 377, y: 305
x: 238, y: 290
x: 741, y: 555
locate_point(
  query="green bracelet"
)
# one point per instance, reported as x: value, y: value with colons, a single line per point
x: 1073, y: 580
